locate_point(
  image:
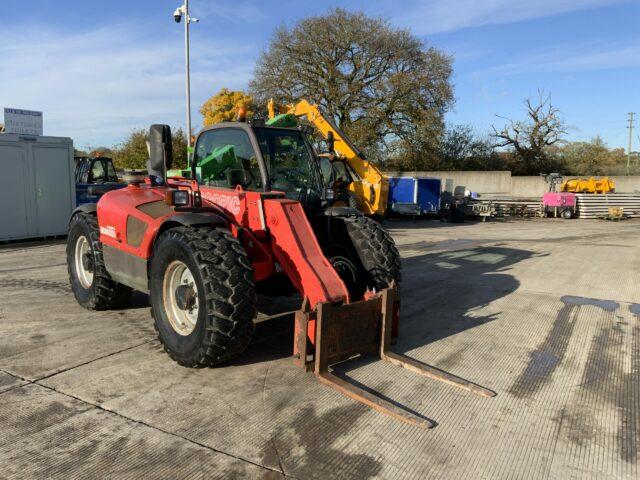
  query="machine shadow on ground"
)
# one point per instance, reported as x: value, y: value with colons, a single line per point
x: 438, y: 291
x: 395, y: 224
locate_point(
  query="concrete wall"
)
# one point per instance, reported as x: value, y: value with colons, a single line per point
x: 500, y: 182
x: 627, y: 184
x: 528, y: 186
x: 497, y: 182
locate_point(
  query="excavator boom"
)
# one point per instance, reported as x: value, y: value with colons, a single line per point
x: 373, y: 189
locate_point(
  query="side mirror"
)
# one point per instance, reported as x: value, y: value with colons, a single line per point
x: 331, y: 141
x: 160, y: 149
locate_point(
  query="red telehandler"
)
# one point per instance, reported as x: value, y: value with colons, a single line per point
x: 257, y: 217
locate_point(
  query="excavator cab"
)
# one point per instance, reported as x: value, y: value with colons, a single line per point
x: 370, y: 190
x: 339, y: 177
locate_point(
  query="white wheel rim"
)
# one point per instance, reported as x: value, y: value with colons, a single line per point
x: 183, y: 321
x: 83, y: 248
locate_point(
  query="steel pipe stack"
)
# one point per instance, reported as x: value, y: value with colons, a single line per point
x: 590, y: 205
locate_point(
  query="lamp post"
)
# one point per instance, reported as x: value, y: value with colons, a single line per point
x: 178, y: 15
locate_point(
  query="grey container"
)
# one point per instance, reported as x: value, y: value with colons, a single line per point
x: 37, y: 194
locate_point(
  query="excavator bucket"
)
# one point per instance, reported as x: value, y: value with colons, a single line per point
x: 333, y: 333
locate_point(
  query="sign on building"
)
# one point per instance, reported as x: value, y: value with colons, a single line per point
x: 26, y: 122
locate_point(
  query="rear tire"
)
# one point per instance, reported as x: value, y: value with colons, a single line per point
x: 92, y: 285
x: 346, y: 199
x: 368, y: 248
x: 208, y: 319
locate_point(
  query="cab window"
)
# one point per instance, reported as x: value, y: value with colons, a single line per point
x: 97, y: 172
x: 340, y: 172
x: 111, y: 172
x: 225, y: 158
x: 327, y: 171
x: 288, y: 160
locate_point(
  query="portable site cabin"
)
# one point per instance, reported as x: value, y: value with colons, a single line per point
x: 38, y: 194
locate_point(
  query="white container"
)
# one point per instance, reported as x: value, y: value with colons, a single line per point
x: 37, y: 192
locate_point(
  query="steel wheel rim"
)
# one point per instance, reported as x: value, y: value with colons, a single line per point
x: 344, y: 265
x: 183, y: 321
x: 85, y: 275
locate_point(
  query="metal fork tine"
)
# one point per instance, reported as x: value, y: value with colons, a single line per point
x: 388, y: 298
x: 373, y: 401
x: 436, y: 374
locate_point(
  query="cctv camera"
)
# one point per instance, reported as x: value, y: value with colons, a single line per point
x: 177, y: 15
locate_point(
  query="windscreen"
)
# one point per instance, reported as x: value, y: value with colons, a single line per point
x: 111, y: 172
x: 289, y: 161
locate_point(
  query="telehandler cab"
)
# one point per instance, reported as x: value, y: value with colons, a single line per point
x: 201, y: 248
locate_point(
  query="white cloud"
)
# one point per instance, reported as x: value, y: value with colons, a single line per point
x: 571, y: 58
x: 96, y: 85
x: 438, y: 16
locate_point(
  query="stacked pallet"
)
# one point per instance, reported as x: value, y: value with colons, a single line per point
x: 590, y: 205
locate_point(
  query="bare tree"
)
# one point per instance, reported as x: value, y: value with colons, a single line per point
x: 531, y: 139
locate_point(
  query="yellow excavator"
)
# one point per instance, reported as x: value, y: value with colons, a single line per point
x: 369, y: 187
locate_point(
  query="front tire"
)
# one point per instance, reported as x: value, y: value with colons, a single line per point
x: 202, y: 295
x: 363, y: 254
x: 91, y: 284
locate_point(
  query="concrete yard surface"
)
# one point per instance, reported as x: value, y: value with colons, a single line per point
x: 544, y: 312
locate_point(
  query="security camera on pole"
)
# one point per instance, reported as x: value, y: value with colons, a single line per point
x: 181, y: 12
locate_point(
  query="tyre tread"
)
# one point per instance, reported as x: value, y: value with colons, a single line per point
x: 376, y: 249
x: 108, y: 294
x: 230, y: 294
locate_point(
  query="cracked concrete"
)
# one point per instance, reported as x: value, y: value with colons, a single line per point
x: 517, y: 307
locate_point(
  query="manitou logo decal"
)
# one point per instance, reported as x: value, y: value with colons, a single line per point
x: 228, y: 202
x: 108, y: 231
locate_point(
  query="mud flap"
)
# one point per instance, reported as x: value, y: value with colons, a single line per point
x: 333, y: 333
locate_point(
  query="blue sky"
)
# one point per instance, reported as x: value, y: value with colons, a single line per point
x: 98, y: 69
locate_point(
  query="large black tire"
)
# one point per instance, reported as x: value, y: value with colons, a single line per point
x: 222, y: 275
x: 363, y: 253
x: 100, y: 292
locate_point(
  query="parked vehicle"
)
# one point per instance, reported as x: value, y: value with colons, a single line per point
x: 202, y: 247
x: 559, y: 204
x: 369, y: 187
x: 414, y: 196
x: 94, y: 177
x: 560, y: 200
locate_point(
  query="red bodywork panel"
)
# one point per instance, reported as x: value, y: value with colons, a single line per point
x: 276, y: 233
x: 114, y: 211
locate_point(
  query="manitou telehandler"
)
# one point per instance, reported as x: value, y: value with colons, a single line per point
x: 201, y: 248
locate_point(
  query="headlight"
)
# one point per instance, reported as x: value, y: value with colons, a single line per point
x: 178, y: 198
